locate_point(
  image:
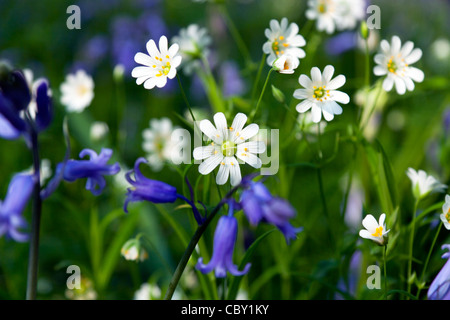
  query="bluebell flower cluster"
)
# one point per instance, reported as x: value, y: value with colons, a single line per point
x: 11, y: 209
x: 440, y: 287
x: 15, y: 97
x: 257, y: 203
x: 224, y: 241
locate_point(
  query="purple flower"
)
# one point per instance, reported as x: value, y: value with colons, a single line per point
x: 93, y: 169
x: 260, y: 205
x: 341, y: 43
x: 11, y: 209
x: 446, y: 121
x: 440, y: 287
x: 145, y: 189
x: 233, y: 84
x: 222, y: 258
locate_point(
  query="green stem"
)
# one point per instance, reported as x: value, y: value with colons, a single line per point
x: 33, y: 257
x: 411, y: 242
x: 261, y: 95
x: 192, y: 244
x: 212, y: 89
x: 366, y: 76
x: 380, y: 88
x: 185, y: 98
x: 258, y: 76
x: 428, y: 258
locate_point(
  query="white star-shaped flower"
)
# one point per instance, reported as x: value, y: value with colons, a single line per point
x: 77, y: 91
x: 227, y: 144
x: 320, y: 94
x: 374, y: 230
x: 445, y: 216
x: 394, y: 61
x: 424, y: 184
x: 283, y: 38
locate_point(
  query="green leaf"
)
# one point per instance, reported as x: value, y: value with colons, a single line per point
x: 234, y: 287
x: 112, y: 254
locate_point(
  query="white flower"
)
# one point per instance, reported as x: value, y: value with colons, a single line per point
x: 193, y: 42
x: 286, y: 64
x: 132, y: 250
x: 394, y: 61
x: 324, y: 12
x: 227, y: 144
x: 349, y: 13
x: 98, y: 130
x: 375, y: 231
x: 148, y: 292
x: 159, y: 65
x: 158, y: 143
x: 283, y: 39
x: 77, y: 91
x: 320, y: 94
x: 445, y: 216
x: 423, y: 184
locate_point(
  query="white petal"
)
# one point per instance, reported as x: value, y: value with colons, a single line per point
x: 152, y: 49
x: 239, y: 122
x: 327, y: 110
x: 173, y: 50
x: 138, y: 72
x: 163, y: 45
x: 250, y: 158
x: 176, y: 61
x: 248, y: 132
x: 221, y: 124
x: 365, y: 234
x: 201, y: 153
x: 414, y: 56
x: 400, y: 85
x: 396, y: 45
x: 252, y: 146
x: 316, y: 113
x: 150, y: 83
x: 337, y: 109
x: 385, y: 46
x: 224, y: 172
x: 382, y: 219
x: 370, y: 223
x: 302, y: 94
x: 304, y: 106
x: 327, y: 74
x: 208, y: 129
x: 388, y: 83
x: 407, y: 48
x: 235, y: 172
x: 161, y: 81
x: 379, y: 71
x: 316, y: 76
x: 144, y: 59
x: 210, y: 163
x: 416, y: 74
x: 305, y: 81
x: 336, y: 83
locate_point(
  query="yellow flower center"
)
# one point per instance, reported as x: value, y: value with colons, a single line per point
x: 321, y: 93
x: 278, y: 45
x: 378, y: 232
x: 228, y: 148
